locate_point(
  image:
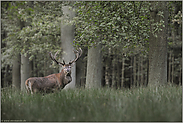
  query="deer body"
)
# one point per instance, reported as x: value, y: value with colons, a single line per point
x: 54, y: 81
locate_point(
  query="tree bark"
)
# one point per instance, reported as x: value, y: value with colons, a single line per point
x: 16, y: 72
x: 122, y: 72
x: 80, y: 71
x: 134, y: 72
x: 118, y: 73
x: 94, y: 67
x: 114, y: 80
x: 25, y: 65
x: 24, y: 71
x: 67, y: 37
x: 158, y: 46
x: 142, y: 71
x: 6, y: 76
x: 138, y: 72
x: 172, y: 67
x: 169, y: 68
x: 108, y: 78
x: 131, y: 72
x: 180, y: 74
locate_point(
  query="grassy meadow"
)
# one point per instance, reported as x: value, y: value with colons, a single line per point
x: 137, y: 104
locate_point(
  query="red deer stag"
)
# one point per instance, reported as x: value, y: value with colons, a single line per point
x: 54, y: 81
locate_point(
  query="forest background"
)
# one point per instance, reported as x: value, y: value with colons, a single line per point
x: 129, y: 49
x: 121, y: 32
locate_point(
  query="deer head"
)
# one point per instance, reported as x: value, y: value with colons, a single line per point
x: 67, y: 67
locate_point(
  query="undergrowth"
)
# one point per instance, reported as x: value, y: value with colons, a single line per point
x: 137, y: 104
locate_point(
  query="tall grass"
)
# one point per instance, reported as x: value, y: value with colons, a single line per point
x: 139, y: 104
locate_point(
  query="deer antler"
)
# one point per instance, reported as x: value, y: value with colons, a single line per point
x: 78, y: 54
x: 54, y: 58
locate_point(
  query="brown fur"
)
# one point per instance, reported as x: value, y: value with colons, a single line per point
x: 54, y: 81
x: 49, y: 83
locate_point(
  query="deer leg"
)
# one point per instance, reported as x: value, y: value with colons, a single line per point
x: 27, y: 86
x: 30, y: 87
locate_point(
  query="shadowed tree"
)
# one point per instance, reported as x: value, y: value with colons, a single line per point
x: 94, y: 67
x: 158, y: 44
x: 16, y: 72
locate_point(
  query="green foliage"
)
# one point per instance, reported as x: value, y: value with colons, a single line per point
x: 34, y: 27
x: 114, y: 24
x: 120, y: 25
x: 138, y: 104
x: 31, y: 27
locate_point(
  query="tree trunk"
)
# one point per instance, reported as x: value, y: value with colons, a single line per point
x: 80, y: 70
x: 31, y: 68
x: 25, y: 63
x: 16, y: 72
x: 24, y: 70
x: 94, y: 67
x: 67, y: 37
x: 138, y: 74
x: 118, y: 73
x: 114, y: 62
x: 131, y: 72
x: 108, y: 70
x: 180, y: 74
x: 134, y: 72
x: 122, y: 72
x: 147, y: 72
x: 141, y: 71
x: 172, y: 67
x: 6, y: 76
x: 169, y: 68
x: 158, y: 46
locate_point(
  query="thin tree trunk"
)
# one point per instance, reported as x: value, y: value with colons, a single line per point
x: 106, y: 73
x: 147, y: 72
x: 45, y: 67
x: 180, y: 75
x: 123, y: 69
x: 118, y: 73
x: 109, y: 68
x: 36, y: 67
x: 24, y: 70
x: 134, y: 72
x: 173, y: 38
x: 31, y: 68
x: 6, y: 77
x: 169, y: 71
x: 142, y: 71
x: 131, y: 72
x: 16, y: 72
x: 138, y: 74
x: 172, y: 67
x: 114, y: 81
x: 80, y: 73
